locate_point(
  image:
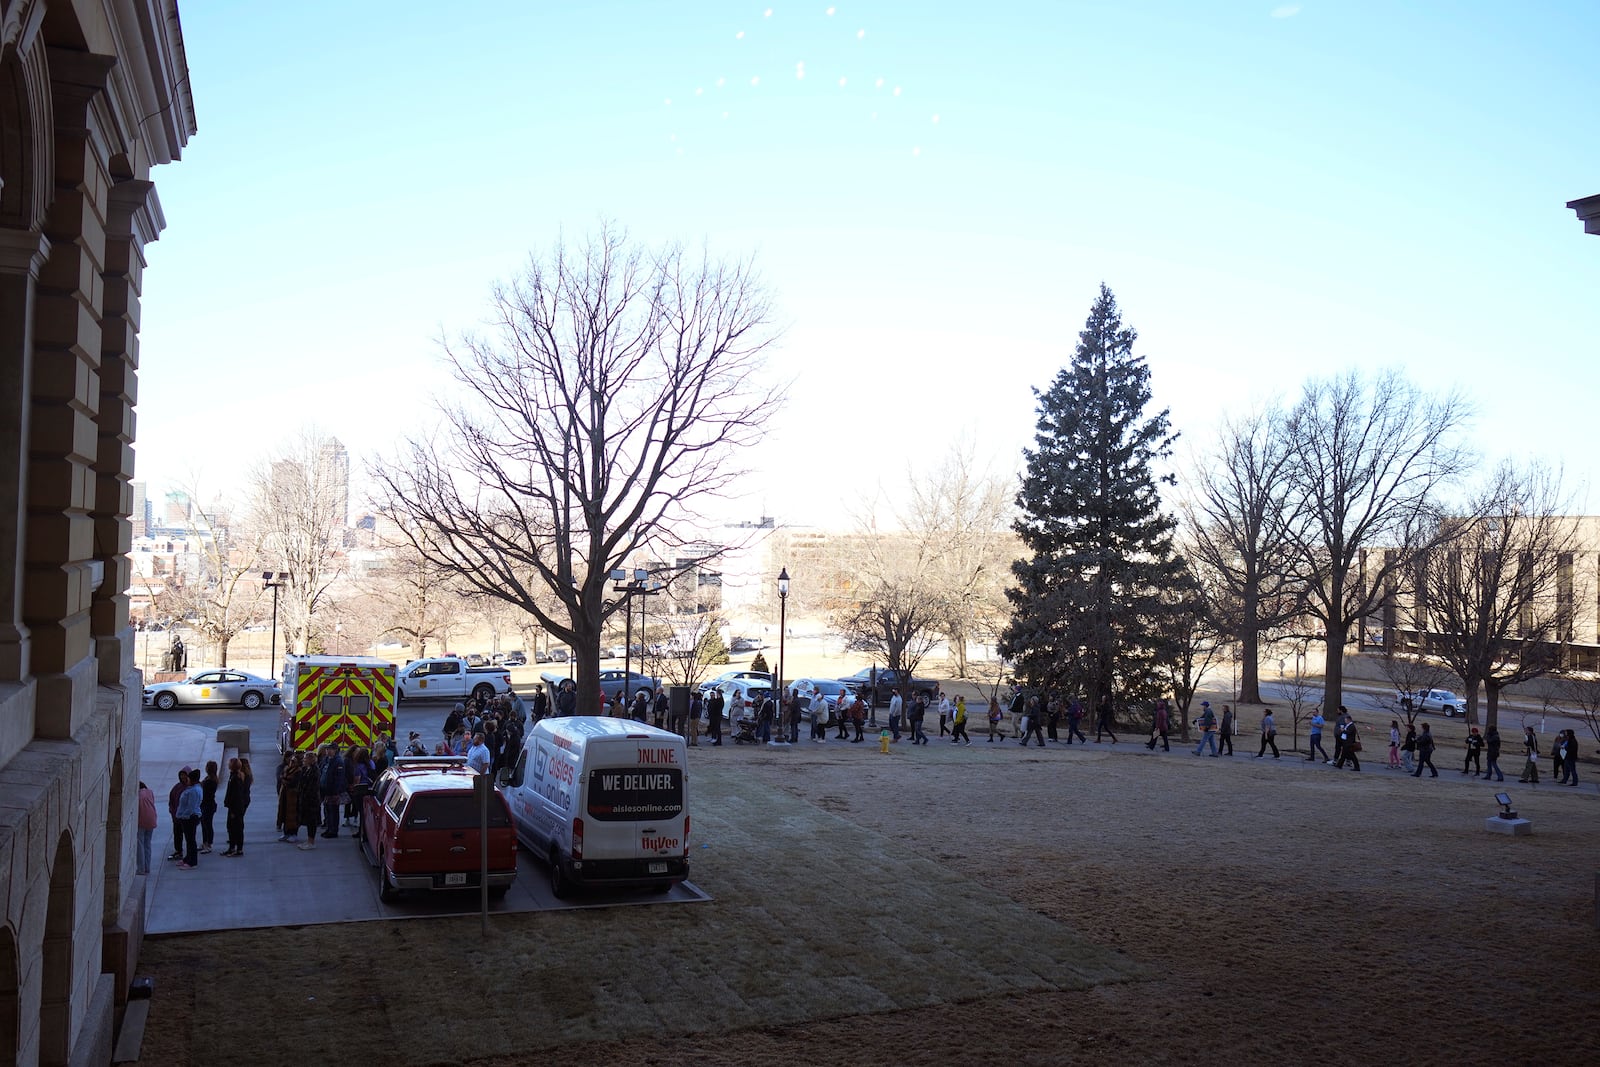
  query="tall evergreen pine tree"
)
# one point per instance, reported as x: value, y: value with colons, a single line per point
x: 1088, y: 601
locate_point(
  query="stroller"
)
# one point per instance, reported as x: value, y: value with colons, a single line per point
x: 744, y: 731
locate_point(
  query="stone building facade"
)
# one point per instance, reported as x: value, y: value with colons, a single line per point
x: 93, y: 95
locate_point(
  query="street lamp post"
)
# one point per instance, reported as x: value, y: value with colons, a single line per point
x: 783, y: 606
x: 274, y: 580
x: 639, y: 585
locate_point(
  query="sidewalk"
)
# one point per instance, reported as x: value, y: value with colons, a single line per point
x: 279, y: 884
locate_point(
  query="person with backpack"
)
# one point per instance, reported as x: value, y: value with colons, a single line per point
x: 1074, y: 721
x: 996, y: 718
x: 1207, y: 722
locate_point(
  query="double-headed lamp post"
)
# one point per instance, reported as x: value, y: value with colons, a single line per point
x: 638, y: 585
x: 274, y: 580
x: 783, y: 606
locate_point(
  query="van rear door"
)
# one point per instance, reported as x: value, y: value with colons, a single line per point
x: 643, y: 790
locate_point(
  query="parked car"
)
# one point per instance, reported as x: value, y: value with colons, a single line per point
x: 449, y: 678
x: 476, y: 659
x: 1442, y: 699
x: 830, y: 690
x: 881, y: 687
x: 612, y: 682
x: 559, y: 655
x: 419, y: 828
x: 223, y: 686
x: 752, y: 693
x: 745, y: 644
x: 541, y: 656
x: 515, y: 659
x: 758, y: 677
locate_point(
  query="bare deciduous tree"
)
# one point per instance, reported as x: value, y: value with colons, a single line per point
x: 1237, y: 517
x: 962, y: 516
x: 298, y: 502
x: 1409, y: 677
x: 616, y: 389
x: 1497, y: 594
x: 222, y: 594
x: 416, y: 599
x: 1369, y: 458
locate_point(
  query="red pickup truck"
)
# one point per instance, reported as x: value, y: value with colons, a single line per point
x: 419, y: 828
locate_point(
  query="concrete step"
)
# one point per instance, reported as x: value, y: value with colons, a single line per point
x: 131, y: 1037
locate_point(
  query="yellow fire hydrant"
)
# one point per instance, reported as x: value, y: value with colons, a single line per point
x: 883, y: 742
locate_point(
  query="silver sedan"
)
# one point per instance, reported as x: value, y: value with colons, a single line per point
x: 223, y: 686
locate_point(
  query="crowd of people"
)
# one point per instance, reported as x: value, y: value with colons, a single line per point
x: 192, y: 807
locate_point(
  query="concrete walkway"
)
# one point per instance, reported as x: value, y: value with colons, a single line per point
x: 277, y: 884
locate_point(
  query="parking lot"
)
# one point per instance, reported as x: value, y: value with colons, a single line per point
x: 279, y: 884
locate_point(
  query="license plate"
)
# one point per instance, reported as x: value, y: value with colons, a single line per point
x: 455, y: 879
x: 658, y: 868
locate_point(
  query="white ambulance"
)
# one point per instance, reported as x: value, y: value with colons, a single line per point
x: 603, y: 801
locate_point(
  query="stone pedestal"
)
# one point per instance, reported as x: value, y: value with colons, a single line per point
x: 1515, y: 827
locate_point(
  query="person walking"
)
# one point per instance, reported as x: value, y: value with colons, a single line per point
x: 1103, y: 721
x: 996, y: 719
x: 1408, y: 748
x: 958, y: 732
x: 1074, y: 720
x: 1052, y: 718
x: 188, y: 816
x: 208, y: 807
x: 236, y: 799
x: 1474, y: 754
x: 1269, y: 734
x: 1158, y: 728
x: 1347, y: 742
x: 1018, y: 710
x: 897, y: 706
x: 1569, y: 758
x: 918, y: 715
x: 1425, y: 752
x: 1225, y: 730
x: 946, y: 709
x: 1035, y: 723
x: 1491, y: 744
x: 1557, y: 760
x: 1208, y: 729
x: 1394, y: 744
x: 147, y: 829
x: 1530, y: 742
x: 1317, y: 722
x: 714, y: 705
x: 858, y: 716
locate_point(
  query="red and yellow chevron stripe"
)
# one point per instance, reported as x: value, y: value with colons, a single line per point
x: 343, y: 705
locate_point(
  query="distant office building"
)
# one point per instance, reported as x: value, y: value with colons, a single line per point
x: 334, y: 475
x: 139, y: 514
x: 178, y: 510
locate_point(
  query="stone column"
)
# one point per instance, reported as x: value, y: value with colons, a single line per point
x: 130, y: 224
x: 60, y: 569
x: 22, y: 253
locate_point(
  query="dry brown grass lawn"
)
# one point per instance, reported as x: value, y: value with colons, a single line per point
x: 975, y: 905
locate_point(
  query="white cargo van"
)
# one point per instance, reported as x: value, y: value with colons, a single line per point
x: 603, y: 801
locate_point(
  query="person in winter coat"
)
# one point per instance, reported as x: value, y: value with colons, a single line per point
x: 1491, y: 742
x: 959, y: 716
x: 1105, y: 720
x: 1208, y: 728
x: 1269, y: 734
x: 1474, y: 754
x: 289, y: 798
x: 308, y: 789
x: 996, y: 720
x: 1530, y: 742
x: 147, y: 828
x: 1568, y: 743
x: 188, y: 816
x: 1408, y: 748
x: 208, y: 807
x: 236, y: 799
x: 1347, y: 741
x: 1158, y: 728
x: 1226, y: 730
x: 1425, y: 752
x: 174, y: 795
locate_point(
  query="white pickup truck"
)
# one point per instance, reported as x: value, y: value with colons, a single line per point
x: 449, y: 678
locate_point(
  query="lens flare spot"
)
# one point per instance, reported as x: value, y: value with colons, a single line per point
x: 878, y: 84
x: 739, y: 36
x: 897, y: 90
x: 936, y: 120
x: 860, y: 34
x: 829, y: 12
x: 916, y: 151
x: 842, y: 82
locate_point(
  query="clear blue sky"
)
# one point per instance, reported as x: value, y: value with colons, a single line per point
x: 1271, y: 191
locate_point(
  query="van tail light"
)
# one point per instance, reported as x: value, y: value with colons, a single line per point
x: 686, y: 834
x: 577, y: 839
